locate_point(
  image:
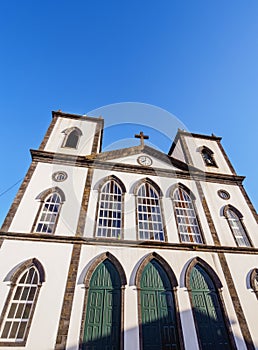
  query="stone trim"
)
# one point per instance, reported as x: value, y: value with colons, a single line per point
x: 84, y: 203
x: 208, y: 215
x: 59, y: 113
x: 185, y: 150
x: 218, y: 285
x: 25, y: 265
x: 92, y: 162
x: 174, y: 285
x: 14, y: 278
x: 97, y: 142
x: 48, y: 133
x: 48, y: 191
x: 226, y: 158
x: 66, y: 310
x: 236, y: 303
x: 102, y: 182
x: 150, y: 182
x: 38, y: 237
x: 248, y: 201
x: 14, y: 207
x: 98, y: 260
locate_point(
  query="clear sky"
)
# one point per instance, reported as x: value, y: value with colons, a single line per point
x: 196, y: 59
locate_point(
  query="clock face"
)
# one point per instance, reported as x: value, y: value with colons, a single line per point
x: 144, y: 160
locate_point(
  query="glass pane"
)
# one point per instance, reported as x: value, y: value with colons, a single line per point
x: 21, y: 331
x: 14, y: 330
x: 6, y: 330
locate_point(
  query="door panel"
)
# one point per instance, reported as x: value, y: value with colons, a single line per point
x: 103, y: 314
x: 159, y: 330
x: 207, y: 311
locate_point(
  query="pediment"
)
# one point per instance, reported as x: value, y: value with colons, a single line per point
x: 142, y: 156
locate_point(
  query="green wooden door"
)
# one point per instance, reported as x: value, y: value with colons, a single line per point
x: 159, y: 329
x: 210, y: 321
x: 103, y: 314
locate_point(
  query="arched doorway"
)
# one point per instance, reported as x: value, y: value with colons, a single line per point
x: 210, y: 321
x: 158, y: 314
x: 102, y: 328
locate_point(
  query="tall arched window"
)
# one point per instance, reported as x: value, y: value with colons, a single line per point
x: 150, y: 223
x: 72, y: 136
x: 21, y: 303
x: 209, y: 314
x: 109, y: 221
x: 234, y: 218
x: 208, y: 156
x: 49, y: 210
x: 187, y: 221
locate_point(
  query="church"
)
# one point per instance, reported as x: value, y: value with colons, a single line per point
x: 129, y: 249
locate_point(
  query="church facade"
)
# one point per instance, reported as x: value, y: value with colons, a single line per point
x: 128, y: 249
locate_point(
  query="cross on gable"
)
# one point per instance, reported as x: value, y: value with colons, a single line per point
x: 142, y: 137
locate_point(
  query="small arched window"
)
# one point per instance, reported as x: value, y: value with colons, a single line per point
x: 21, y: 302
x: 109, y: 222
x: 49, y: 212
x: 72, y: 136
x: 150, y: 223
x: 208, y: 156
x: 234, y: 218
x: 254, y: 281
x: 187, y: 221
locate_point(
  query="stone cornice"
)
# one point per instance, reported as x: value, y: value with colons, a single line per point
x: 99, y: 120
x: 38, y: 237
x: 92, y: 161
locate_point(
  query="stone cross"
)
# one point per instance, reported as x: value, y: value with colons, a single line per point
x: 142, y: 137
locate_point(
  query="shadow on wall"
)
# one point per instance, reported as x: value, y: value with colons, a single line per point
x: 163, y: 334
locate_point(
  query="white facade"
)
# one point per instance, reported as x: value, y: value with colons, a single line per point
x: 54, y: 228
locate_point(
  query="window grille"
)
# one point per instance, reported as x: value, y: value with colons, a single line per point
x: 49, y: 213
x: 237, y: 228
x: 19, y: 311
x: 150, y: 225
x: 187, y: 222
x: 110, y: 211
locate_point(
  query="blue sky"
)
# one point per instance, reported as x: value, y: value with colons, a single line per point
x: 196, y: 59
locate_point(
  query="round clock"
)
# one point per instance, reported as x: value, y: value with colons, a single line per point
x: 144, y: 160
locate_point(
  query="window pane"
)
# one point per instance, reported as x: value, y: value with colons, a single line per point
x: 188, y: 226
x: 237, y: 229
x: 49, y: 213
x: 110, y: 219
x: 150, y: 225
x: 19, y: 309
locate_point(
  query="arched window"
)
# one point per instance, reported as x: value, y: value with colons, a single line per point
x: 21, y: 302
x: 109, y: 221
x: 72, y: 136
x: 254, y: 281
x: 49, y: 211
x: 208, y: 156
x: 150, y: 223
x: 234, y: 218
x: 187, y: 221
